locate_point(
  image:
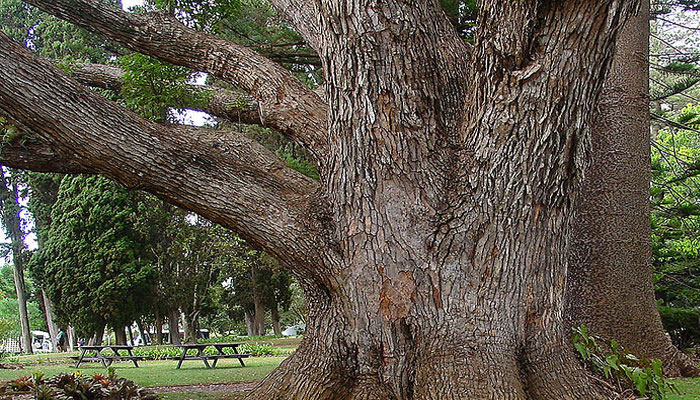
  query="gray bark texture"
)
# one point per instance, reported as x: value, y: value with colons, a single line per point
x: 610, y: 279
x: 48, y: 312
x: 71, y: 338
x: 434, y: 250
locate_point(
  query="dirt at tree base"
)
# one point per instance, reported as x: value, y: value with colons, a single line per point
x: 223, y: 388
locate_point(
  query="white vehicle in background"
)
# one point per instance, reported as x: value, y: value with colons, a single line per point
x: 41, y: 342
x: 294, y: 330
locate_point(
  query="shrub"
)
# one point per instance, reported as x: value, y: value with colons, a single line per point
x: 79, y: 386
x: 609, y: 359
x: 256, y: 349
x: 170, y: 352
x: 158, y: 352
x: 683, y: 324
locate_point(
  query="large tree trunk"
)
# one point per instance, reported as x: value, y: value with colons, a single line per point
x: 610, y: 282
x: 452, y: 278
x: 130, y: 334
x: 10, y: 208
x: 259, y: 315
x: 275, y: 317
x: 158, y: 327
x: 191, y: 327
x: 174, y: 327
x: 97, y: 337
x: 434, y: 249
x: 119, y: 335
x: 249, y: 322
x: 48, y: 312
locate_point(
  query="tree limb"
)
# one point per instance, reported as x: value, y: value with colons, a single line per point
x: 227, y: 178
x: 219, y: 102
x: 286, y: 103
x: 302, y: 14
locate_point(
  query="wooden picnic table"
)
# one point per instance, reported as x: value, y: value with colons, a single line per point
x: 206, y: 357
x: 107, y: 360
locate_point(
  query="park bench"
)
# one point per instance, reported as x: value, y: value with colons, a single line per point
x: 213, y: 357
x: 106, y: 359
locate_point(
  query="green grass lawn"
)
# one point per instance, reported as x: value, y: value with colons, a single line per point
x: 163, y: 373
x: 689, y: 388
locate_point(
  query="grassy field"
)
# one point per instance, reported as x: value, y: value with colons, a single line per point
x: 163, y: 373
x: 689, y: 388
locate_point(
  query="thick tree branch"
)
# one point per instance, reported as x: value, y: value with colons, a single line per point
x: 218, y: 102
x: 35, y: 153
x: 286, y: 103
x: 227, y: 178
x: 303, y: 15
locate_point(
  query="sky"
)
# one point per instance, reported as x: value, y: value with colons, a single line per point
x: 129, y: 3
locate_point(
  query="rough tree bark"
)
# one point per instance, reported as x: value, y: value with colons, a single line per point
x: 10, y: 208
x: 610, y: 280
x: 130, y: 334
x: 434, y: 250
x: 191, y: 327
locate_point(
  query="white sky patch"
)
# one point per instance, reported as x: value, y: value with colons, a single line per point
x: 126, y: 4
x: 193, y: 118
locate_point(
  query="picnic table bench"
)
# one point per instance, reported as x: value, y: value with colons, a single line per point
x: 214, y: 357
x: 106, y: 359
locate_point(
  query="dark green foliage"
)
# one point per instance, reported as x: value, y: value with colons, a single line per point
x: 17, y: 20
x: 300, y: 164
x: 201, y: 14
x: 43, y: 193
x: 675, y: 216
x: 96, y: 258
x: 610, y: 360
x: 151, y: 86
x: 52, y: 37
x: 171, y: 352
x: 683, y: 324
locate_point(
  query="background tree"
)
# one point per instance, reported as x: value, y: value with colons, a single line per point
x: 610, y: 255
x: 99, y: 267
x: 255, y: 284
x: 43, y: 193
x: 12, y: 223
x: 9, y: 308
